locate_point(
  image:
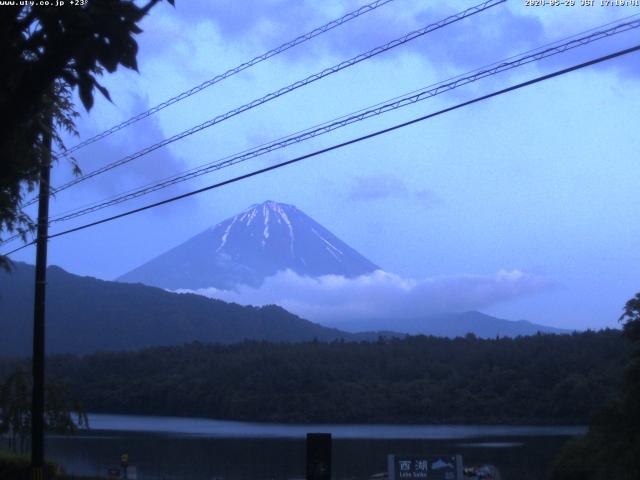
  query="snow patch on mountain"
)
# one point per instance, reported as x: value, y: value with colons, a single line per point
x: 247, y: 248
x: 226, y: 234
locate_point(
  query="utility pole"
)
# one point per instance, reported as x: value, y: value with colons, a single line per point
x: 37, y: 403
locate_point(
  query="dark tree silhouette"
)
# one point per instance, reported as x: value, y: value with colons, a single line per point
x: 46, y: 53
x: 631, y: 319
x: 611, y: 448
x: 546, y: 379
x: 15, y: 409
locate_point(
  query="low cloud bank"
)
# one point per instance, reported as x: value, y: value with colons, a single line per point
x: 332, y: 299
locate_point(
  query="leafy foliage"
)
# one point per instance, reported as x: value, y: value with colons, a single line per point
x: 15, y: 408
x: 18, y: 467
x: 46, y: 53
x: 552, y: 379
x: 631, y: 319
x: 15, y: 403
x: 611, y: 449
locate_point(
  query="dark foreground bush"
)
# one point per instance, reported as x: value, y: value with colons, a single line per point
x: 17, y: 467
x: 611, y: 448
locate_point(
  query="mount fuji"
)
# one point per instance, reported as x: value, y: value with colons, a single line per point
x: 249, y: 247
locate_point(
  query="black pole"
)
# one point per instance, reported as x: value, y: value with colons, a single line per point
x: 318, y: 456
x: 37, y: 405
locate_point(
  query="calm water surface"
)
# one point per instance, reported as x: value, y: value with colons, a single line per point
x: 202, y: 449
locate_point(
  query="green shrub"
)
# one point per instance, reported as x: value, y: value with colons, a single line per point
x: 17, y: 467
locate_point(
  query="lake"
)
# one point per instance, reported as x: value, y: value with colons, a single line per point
x: 169, y: 448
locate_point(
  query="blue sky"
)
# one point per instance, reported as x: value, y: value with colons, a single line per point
x: 541, y: 183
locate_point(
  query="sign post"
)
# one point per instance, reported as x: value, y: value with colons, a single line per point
x: 124, y: 462
x: 318, y: 456
x: 431, y: 467
x: 132, y: 472
x: 113, y: 472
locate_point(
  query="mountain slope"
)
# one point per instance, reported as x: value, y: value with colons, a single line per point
x: 85, y: 315
x: 457, y: 325
x: 247, y: 248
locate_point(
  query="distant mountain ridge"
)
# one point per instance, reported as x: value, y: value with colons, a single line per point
x: 455, y: 324
x: 272, y: 237
x: 86, y: 315
x: 249, y: 247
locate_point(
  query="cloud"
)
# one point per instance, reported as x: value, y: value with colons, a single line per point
x: 485, y: 37
x: 428, y: 198
x: 140, y: 172
x: 480, y: 39
x: 378, y: 187
x: 371, y: 187
x: 269, y: 24
x: 334, y: 299
x: 234, y: 23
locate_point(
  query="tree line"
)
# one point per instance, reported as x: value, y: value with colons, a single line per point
x: 541, y: 379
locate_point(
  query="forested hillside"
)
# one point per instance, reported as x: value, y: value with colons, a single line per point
x: 555, y: 379
x: 86, y: 315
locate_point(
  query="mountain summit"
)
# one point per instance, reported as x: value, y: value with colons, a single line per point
x: 245, y: 249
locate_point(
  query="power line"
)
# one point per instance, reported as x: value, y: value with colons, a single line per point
x: 218, y: 78
x: 378, y: 109
x: 517, y: 86
x: 12, y: 238
x: 284, y: 90
x: 539, y: 53
x: 562, y: 45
